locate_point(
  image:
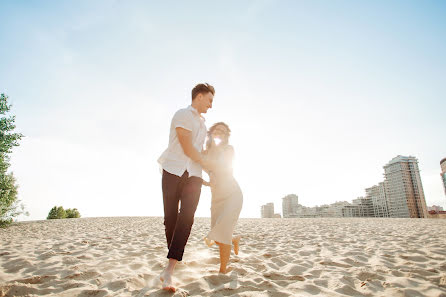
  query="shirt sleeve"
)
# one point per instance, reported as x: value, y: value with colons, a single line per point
x: 182, y: 119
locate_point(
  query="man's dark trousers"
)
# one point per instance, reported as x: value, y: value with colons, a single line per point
x: 178, y: 225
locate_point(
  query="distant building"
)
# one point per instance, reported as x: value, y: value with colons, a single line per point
x: 277, y: 216
x: 361, y: 207
x: 335, y: 209
x: 267, y: 210
x: 350, y: 211
x: 365, y: 206
x: 377, y: 194
x: 443, y: 173
x: 435, y: 208
x: 403, y: 188
x: 305, y: 212
x: 436, y: 214
x: 290, y: 204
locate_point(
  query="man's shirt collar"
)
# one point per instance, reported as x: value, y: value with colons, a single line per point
x: 190, y: 107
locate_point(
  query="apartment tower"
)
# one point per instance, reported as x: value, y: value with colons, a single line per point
x: 267, y: 210
x: 443, y: 173
x: 290, y: 204
x: 403, y: 188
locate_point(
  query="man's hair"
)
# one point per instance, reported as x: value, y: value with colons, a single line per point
x: 202, y: 89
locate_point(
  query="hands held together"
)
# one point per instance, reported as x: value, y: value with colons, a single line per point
x: 206, y: 164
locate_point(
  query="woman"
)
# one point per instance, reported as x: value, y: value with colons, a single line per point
x: 227, y: 197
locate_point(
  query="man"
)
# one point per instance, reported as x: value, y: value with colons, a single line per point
x: 182, y: 165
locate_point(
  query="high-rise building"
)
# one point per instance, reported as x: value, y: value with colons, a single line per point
x: 403, y: 188
x: 267, y: 210
x: 377, y: 194
x: 290, y: 205
x: 443, y: 173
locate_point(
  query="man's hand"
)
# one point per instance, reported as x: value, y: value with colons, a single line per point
x: 210, y: 183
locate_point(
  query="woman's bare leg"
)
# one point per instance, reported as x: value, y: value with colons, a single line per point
x: 235, y: 242
x: 225, y: 252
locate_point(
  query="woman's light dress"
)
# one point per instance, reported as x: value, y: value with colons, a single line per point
x: 227, y: 197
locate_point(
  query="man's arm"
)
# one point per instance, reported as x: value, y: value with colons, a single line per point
x: 185, y: 138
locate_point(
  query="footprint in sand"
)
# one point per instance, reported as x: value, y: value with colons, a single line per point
x: 22, y: 290
x: 297, y: 270
x: 136, y: 266
x: 277, y: 276
x: 37, y: 279
x: 83, y: 275
x: 93, y: 293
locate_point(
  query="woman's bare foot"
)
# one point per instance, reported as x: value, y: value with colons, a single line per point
x: 235, y: 242
x: 228, y: 269
x: 166, y: 279
x: 209, y: 242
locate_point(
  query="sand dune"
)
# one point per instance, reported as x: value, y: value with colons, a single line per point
x: 278, y: 257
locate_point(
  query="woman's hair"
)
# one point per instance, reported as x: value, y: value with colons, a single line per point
x: 211, y: 129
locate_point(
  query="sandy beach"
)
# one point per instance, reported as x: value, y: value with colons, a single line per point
x: 278, y: 257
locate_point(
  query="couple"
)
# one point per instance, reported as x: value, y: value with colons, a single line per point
x: 182, y: 163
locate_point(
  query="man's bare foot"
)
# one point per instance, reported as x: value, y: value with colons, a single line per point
x: 235, y: 242
x: 166, y: 279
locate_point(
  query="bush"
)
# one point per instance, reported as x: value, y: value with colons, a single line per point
x: 73, y: 213
x: 57, y: 212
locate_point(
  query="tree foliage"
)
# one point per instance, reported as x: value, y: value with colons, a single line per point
x: 10, y: 206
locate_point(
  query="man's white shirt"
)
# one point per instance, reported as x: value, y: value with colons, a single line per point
x: 173, y: 159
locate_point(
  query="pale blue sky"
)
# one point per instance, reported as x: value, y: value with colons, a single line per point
x: 320, y: 95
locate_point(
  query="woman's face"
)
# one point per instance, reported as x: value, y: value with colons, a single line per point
x: 220, y: 132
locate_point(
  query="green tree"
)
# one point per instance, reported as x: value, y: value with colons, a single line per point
x: 57, y: 213
x: 10, y: 206
x: 52, y: 214
x: 73, y: 213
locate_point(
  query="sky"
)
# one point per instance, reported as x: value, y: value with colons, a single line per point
x: 319, y: 96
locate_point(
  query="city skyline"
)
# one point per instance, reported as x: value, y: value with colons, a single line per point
x: 318, y: 97
x: 399, y: 195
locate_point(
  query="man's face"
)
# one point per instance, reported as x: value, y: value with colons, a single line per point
x: 205, y: 102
